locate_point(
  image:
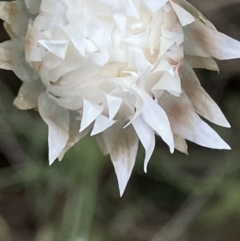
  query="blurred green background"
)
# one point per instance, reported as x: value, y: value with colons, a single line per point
x: 181, y: 198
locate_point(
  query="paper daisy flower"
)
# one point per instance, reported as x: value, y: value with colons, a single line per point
x: 121, y: 70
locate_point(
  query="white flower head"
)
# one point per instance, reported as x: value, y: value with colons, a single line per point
x: 121, y: 70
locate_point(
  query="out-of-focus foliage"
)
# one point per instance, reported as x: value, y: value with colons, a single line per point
x: 181, y: 198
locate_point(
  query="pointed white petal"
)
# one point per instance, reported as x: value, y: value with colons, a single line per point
x: 204, y: 41
x: 90, y: 112
x: 57, y: 47
x: 184, y: 17
x: 138, y: 110
x: 187, y: 124
x: 114, y: 104
x: 155, y: 5
x: 163, y: 66
x: 101, y: 124
x: 146, y: 136
x: 169, y: 82
x: 202, y: 63
x: 122, y: 144
x: 57, y: 119
x: 77, y: 37
x: 156, y: 117
x: 202, y: 102
x: 180, y: 144
x: 74, y: 135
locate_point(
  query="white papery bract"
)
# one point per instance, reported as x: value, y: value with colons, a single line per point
x: 121, y: 70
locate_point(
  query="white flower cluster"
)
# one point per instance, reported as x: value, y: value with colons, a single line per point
x: 121, y: 70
